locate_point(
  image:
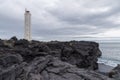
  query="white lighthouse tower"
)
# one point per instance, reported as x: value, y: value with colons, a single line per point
x: 27, y: 33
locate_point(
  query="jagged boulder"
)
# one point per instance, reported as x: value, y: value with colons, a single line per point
x: 22, y: 43
x: 14, y: 38
x: 115, y: 73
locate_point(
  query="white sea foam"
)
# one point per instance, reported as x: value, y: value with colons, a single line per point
x: 108, y: 62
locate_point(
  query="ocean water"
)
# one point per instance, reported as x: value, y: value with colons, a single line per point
x: 110, y: 53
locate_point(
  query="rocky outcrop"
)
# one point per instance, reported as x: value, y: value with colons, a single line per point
x: 80, y: 53
x: 74, y: 60
x: 115, y: 73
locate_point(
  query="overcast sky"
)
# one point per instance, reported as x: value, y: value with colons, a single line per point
x: 61, y: 19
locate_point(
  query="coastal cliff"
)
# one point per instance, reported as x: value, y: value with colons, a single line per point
x: 34, y: 60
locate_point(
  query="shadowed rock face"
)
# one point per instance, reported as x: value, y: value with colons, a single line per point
x: 115, y: 73
x: 23, y: 60
x: 80, y: 53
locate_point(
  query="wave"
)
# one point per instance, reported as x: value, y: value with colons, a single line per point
x: 110, y: 62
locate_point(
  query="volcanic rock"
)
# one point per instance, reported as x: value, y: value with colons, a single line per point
x: 34, y: 60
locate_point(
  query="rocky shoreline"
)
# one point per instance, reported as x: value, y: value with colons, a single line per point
x: 34, y: 60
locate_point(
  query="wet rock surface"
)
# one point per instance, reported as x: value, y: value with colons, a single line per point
x: 74, y: 60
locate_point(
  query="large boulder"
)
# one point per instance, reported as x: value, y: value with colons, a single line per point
x: 115, y: 73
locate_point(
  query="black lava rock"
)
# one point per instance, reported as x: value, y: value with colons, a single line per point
x: 34, y: 60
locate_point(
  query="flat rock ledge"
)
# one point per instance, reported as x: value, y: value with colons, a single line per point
x: 34, y: 60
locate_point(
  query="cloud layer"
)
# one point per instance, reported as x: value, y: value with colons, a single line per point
x: 61, y: 19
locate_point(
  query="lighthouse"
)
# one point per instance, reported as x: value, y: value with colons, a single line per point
x: 27, y: 26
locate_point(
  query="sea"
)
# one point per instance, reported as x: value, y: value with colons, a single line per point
x: 110, y: 53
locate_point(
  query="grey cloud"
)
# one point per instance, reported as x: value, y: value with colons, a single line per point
x: 98, y: 19
x: 58, y: 18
